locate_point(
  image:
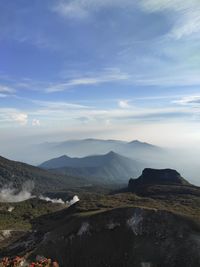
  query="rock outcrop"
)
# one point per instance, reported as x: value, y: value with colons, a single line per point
x: 154, y: 176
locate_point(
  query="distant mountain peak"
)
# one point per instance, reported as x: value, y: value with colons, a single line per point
x: 135, y: 142
x: 64, y: 156
x: 138, y: 142
x: 112, y: 153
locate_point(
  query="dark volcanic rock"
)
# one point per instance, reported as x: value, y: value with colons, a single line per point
x: 153, y: 176
x: 167, y: 181
x: 125, y: 237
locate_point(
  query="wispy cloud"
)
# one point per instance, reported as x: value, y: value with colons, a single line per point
x: 169, y: 79
x: 94, y: 115
x: 6, y: 90
x: 58, y: 105
x: 106, y: 76
x: 193, y: 100
x: 184, y: 14
x: 82, y: 9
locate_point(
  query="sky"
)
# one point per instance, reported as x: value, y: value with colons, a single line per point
x: 118, y: 69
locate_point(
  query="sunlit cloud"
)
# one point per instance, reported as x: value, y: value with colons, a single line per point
x: 8, y: 116
x: 124, y: 104
x: 20, y: 118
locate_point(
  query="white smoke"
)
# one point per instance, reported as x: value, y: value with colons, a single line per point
x: 53, y: 200
x: 10, y: 194
x: 60, y: 201
x: 10, y: 209
x: 73, y: 200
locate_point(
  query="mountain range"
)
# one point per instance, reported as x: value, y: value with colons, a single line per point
x: 108, y: 168
x: 85, y: 147
x: 36, y: 153
x: 65, y: 172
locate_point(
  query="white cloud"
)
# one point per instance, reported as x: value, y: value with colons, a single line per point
x: 70, y: 10
x: 183, y: 78
x: 193, y: 100
x: 20, y: 118
x: 70, y: 114
x: 35, y: 122
x: 106, y: 76
x: 6, y: 89
x: 83, y: 8
x: 124, y: 104
x: 186, y: 14
x: 58, y: 105
x: 10, y: 115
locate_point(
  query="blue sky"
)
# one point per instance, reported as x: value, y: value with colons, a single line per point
x: 100, y: 68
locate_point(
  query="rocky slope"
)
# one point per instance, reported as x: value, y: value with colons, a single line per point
x: 154, y: 176
x: 124, y: 237
x: 161, y: 183
x: 17, y: 173
x: 118, y: 230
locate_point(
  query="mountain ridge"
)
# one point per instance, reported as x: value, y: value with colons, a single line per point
x: 90, y: 146
x: 110, y: 166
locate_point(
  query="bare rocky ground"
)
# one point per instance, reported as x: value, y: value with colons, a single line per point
x: 158, y: 226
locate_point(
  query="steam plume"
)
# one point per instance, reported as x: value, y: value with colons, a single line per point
x: 73, y: 200
x: 53, y: 200
x: 60, y: 201
x: 10, y: 194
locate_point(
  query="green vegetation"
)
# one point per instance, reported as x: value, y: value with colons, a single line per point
x: 186, y: 205
x: 154, y: 221
x: 24, y: 213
